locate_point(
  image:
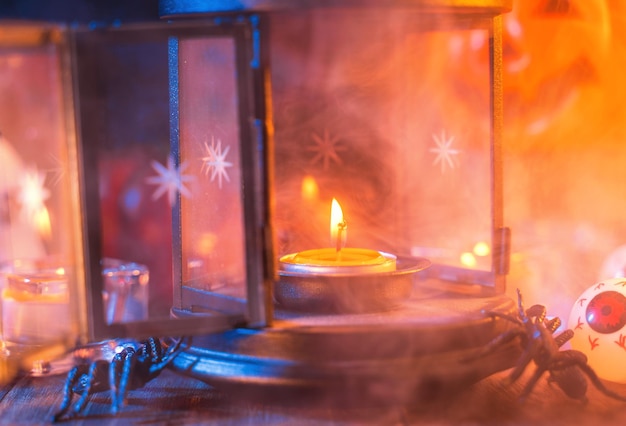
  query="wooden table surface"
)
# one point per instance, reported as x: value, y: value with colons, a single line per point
x: 174, y: 399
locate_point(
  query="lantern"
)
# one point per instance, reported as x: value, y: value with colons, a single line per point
x: 293, y: 107
x: 309, y: 200
x: 41, y: 248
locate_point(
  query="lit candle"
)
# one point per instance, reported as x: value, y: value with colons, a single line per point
x: 35, y: 306
x: 338, y: 227
x: 338, y: 259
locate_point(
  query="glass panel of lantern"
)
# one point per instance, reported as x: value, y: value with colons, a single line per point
x: 140, y: 189
x: 371, y: 108
x: 41, y: 251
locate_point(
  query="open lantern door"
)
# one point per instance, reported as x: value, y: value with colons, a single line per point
x: 212, y: 183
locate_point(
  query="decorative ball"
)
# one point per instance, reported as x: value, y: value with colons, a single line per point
x: 598, y: 319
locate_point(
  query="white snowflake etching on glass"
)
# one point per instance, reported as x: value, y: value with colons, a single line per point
x: 445, y: 153
x: 169, y: 179
x: 326, y: 149
x: 215, y: 161
x: 57, y: 172
x: 32, y: 194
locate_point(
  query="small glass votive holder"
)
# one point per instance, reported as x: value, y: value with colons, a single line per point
x: 35, y: 307
x: 125, y: 291
x: 36, y: 326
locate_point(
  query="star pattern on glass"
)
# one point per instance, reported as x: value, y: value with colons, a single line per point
x: 445, y: 153
x: 32, y: 193
x: 169, y: 179
x: 326, y: 149
x: 215, y: 161
x: 57, y: 172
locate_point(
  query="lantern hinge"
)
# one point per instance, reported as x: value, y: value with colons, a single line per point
x: 502, y: 250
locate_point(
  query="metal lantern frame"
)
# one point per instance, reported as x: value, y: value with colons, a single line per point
x: 337, y: 352
x: 257, y: 129
x: 197, y: 318
x: 247, y: 24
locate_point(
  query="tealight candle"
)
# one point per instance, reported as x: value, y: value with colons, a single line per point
x: 35, y: 306
x: 338, y: 260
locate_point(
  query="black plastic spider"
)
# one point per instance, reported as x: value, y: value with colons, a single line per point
x: 129, y: 369
x: 567, y: 368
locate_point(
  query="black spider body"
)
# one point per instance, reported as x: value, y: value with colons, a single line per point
x: 568, y: 369
x: 129, y: 369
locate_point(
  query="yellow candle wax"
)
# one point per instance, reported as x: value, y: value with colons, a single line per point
x: 35, y: 307
x: 338, y: 260
x: 345, y: 261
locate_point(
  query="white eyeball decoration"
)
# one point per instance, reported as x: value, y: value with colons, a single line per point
x: 598, y: 319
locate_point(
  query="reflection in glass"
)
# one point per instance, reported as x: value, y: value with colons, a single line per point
x: 125, y: 293
x: 40, y: 243
x: 373, y: 117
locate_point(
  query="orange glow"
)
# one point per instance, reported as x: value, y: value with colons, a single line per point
x: 206, y: 244
x: 468, y: 259
x: 338, y: 226
x: 310, y: 190
x: 41, y: 220
x: 481, y: 249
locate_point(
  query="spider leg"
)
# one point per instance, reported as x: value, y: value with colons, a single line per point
x: 520, y: 304
x: 531, y: 383
x: 564, y: 337
x: 171, y: 353
x: 553, y: 324
x: 507, y: 317
x: 68, y: 392
x: 92, y: 376
x: 119, y: 374
x: 598, y: 383
x: 522, y: 363
x: 536, y: 311
x: 156, y: 350
x: 493, y: 345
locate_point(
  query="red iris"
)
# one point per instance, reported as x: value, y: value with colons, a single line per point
x: 606, y: 313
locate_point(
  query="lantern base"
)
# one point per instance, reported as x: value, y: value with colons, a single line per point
x: 415, y: 353
x: 348, y: 293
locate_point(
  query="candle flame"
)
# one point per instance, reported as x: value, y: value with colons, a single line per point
x: 338, y: 226
x: 32, y: 196
x: 42, y: 222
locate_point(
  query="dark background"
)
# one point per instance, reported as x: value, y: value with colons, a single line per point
x: 80, y: 11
